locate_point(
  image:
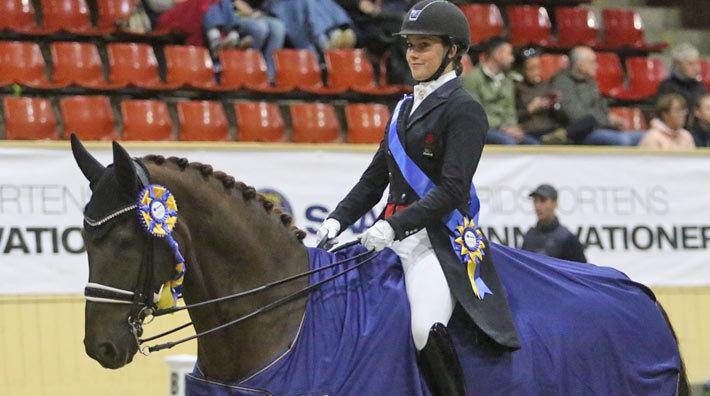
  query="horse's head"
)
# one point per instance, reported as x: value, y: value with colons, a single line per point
x: 126, y: 266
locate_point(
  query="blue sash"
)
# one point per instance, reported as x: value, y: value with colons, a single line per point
x: 466, y: 239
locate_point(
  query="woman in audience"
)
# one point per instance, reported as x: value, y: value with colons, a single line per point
x: 667, y: 131
x: 701, y: 123
x: 268, y: 33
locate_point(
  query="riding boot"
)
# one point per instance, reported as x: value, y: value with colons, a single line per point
x: 440, y: 365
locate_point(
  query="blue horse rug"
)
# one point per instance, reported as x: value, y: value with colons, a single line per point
x: 584, y: 329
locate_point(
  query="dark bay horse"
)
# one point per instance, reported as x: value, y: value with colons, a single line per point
x: 584, y: 329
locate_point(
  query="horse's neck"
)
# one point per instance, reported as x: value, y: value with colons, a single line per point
x: 236, y: 245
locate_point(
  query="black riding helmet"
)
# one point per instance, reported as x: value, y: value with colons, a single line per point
x: 439, y: 18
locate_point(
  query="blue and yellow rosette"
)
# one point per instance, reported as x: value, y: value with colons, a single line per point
x: 157, y: 213
x: 469, y: 246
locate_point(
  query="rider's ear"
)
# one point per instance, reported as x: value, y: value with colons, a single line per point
x: 90, y: 166
x: 125, y: 171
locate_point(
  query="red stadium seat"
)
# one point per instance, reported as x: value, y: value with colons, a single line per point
x: 29, y: 118
x: 576, y: 26
x: 299, y: 68
x: 645, y: 75
x: 135, y: 64
x: 146, y: 120
x: 259, y: 122
x: 529, y: 25
x: 202, y: 120
x: 623, y: 28
x: 633, y: 117
x: 351, y: 69
x: 314, y: 123
x: 246, y: 68
x: 111, y: 12
x: 191, y: 67
x: 18, y: 16
x: 90, y: 117
x: 552, y: 63
x: 484, y: 20
x: 21, y: 62
x: 366, y: 122
x: 67, y: 15
x: 610, y: 74
x: 705, y: 72
x: 80, y: 64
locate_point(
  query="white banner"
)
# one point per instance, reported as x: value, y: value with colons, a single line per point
x: 645, y: 214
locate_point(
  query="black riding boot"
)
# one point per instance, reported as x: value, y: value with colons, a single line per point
x: 440, y: 365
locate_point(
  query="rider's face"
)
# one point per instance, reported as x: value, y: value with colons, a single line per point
x: 424, y: 55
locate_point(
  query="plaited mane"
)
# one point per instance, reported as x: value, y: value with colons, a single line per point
x: 230, y: 184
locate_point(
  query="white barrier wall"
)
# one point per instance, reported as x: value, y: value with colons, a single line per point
x: 647, y: 214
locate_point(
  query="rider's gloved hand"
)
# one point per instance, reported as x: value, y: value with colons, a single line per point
x: 378, y: 237
x: 328, y: 231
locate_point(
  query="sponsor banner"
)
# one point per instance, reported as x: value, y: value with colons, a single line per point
x: 645, y: 214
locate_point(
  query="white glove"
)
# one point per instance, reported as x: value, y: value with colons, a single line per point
x: 378, y: 237
x: 328, y: 231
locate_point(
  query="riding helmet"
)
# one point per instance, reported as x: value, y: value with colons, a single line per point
x: 437, y: 18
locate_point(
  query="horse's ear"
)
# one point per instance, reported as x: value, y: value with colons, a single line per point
x: 125, y: 170
x: 90, y: 166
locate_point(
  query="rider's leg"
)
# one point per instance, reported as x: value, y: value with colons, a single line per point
x: 431, y: 305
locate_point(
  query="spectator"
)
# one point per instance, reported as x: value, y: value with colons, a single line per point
x: 580, y: 98
x: 685, y: 75
x: 317, y: 25
x: 549, y: 237
x: 538, y: 105
x: 701, y: 122
x: 268, y: 33
x: 667, y: 131
x: 490, y: 83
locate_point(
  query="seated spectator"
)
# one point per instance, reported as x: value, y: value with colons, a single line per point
x: 317, y: 25
x: 538, y: 105
x: 268, y: 33
x: 375, y: 23
x: 666, y: 132
x: 580, y: 98
x: 701, y: 122
x: 685, y: 75
x: 492, y: 86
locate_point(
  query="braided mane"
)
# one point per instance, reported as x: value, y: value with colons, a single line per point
x: 230, y: 184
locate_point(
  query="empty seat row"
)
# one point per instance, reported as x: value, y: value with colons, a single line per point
x: 530, y: 24
x: 187, y: 67
x: 92, y: 118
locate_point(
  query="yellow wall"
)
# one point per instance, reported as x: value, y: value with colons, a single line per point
x: 41, y: 350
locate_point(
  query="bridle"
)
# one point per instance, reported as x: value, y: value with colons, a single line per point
x: 144, y: 301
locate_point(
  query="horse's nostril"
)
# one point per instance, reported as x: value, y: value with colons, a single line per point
x: 107, y: 352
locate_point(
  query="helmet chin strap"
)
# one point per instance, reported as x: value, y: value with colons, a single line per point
x: 444, y: 63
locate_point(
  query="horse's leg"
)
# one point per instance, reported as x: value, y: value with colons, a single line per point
x: 683, y: 384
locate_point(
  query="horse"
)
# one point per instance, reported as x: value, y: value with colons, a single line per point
x: 273, y: 316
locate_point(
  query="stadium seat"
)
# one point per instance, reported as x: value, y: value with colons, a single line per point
x: 610, y: 74
x: 623, y: 28
x: 551, y: 64
x: 146, y: 120
x: 529, y: 25
x: 135, y: 64
x: 21, y: 62
x: 201, y: 120
x: 298, y: 68
x: 351, y: 69
x: 67, y: 15
x: 485, y: 21
x: 80, y: 64
x: 576, y: 26
x: 645, y: 75
x: 705, y: 72
x: 191, y: 67
x: 29, y: 118
x: 246, y: 68
x: 90, y: 117
x: 633, y: 117
x: 110, y: 12
x: 18, y: 16
x: 366, y: 122
x: 314, y: 123
x: 259, y: 122
x: 466, y: 64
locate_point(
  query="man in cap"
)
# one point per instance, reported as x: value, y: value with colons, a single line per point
x: 549, y: 237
